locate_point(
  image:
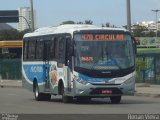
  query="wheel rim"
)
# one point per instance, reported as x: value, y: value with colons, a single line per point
x: 36, y: 92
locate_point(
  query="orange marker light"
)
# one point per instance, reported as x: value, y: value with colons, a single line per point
x: 86, y: 59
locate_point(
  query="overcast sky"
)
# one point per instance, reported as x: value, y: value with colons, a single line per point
x: 53, y: 12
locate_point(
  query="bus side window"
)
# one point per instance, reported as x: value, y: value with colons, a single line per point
x: 31, y: 50
x: 62, y: 42
x: 39, y: 50
x: 52, y: 49
x: 56, y: 50
x: 25, y: 50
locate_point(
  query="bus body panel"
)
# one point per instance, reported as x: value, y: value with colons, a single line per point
x: 75, y: 83
x: 36, y: 71
x: 77, y: 89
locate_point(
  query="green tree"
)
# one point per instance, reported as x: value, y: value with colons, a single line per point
x: 90, y: 22
x: 108, y: 24
x: 12, y: 34
x: 80, y: 22
x: 68, y: 22
x: 103, y: 25
x: 139, y: 31
x: 141, y: 64
x: 151, y: 34
x: 140, y: 67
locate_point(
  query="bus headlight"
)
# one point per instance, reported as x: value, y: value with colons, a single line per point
x: 80, y: 80
x: 130, y: 80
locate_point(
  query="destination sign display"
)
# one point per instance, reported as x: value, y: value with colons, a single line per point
x: 102, y: 36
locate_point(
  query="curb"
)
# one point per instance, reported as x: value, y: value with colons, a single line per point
x: 10, y: 86
x: 147, y: 95
x: 143, y: 85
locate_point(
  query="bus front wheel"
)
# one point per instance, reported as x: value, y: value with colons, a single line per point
x: 40, y: 96
x: 115, y: 99
x: 65, y: 99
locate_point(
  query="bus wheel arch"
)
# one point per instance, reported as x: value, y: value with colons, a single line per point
x: 61, y: 91
x: 38, y: 95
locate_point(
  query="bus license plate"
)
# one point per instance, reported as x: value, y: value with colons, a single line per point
x: 106, y: 91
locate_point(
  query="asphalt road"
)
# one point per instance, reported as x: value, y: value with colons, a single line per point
x: 21, y: 101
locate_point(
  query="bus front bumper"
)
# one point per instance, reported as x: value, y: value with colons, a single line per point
x: 103, y: 90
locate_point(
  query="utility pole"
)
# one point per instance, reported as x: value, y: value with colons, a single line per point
x: 156, y: 11
x: 128, y: 15
x: 32, y: 15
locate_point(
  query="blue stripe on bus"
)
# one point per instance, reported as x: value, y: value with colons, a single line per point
x: 35, y: 71
x: 90, y: 79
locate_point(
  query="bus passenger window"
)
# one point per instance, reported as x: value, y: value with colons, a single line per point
x: 52, y: 53
x: 25, y: 50
x: 31, y: 51
x: 62, y: 49
x: 56, y: 48
x: 39, y: 50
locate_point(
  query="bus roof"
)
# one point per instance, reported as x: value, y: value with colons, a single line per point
x: 68, y: 28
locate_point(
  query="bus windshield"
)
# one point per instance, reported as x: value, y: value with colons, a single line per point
x: 107, y: 52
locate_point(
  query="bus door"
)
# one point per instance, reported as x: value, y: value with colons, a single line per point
x: 46, y: 60
x: 68, y: 62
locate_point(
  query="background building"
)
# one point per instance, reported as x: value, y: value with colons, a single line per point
x: 149, y: 25
x: 26, y: 13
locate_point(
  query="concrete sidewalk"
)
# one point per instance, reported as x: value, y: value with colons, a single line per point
x: 142, y: 89
x: 149, y: 90
x: 11, y: 83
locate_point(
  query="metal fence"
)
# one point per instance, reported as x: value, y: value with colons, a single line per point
x: 10, y: 69
x: 148, y: 60
x: 148, y: 68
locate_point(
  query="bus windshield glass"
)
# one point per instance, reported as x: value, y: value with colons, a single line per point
x: 107, y: 52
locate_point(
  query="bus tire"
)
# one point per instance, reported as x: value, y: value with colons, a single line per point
x: 83, y: 99
x: 46, y: 96
x: 115, y: 99
x: 37, y: 94
x: 40, y: 96
x: 65, y: 99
